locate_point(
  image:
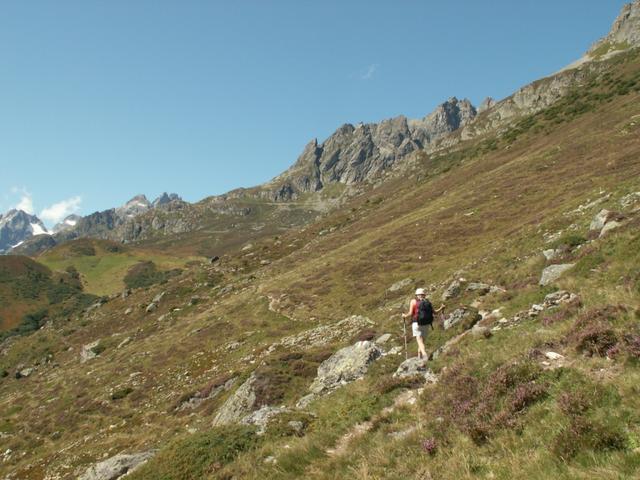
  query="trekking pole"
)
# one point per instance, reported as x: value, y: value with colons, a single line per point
x: 404, y: 331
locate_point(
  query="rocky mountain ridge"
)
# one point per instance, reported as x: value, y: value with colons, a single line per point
x: 357, y: 154
x: 16, y: 226
x: 116, y: 224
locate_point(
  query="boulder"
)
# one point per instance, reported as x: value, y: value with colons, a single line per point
x: 297, y: 426
x: 556, y: 298
x: 413, y: 367
x: 115, y: 467
x: 158, y: 297
x: 551, y: 254
x: 88, y: 352
x: 382, y: 339
x: 399, y: 285
x: 459, y: 315
x: 344, y: 366
x: 199, y: 397
x: 611, y: 225
x: 553, y: 356
x: 630, y: 199
x: 480, y: 331
x: 261, y: 418
x: 480, y: 288
x: 25, y: 372
x: 600, y: 220
x: 238, y: 405
x: 453, y: 289
x: 554, y: 272
x: 152, y: 307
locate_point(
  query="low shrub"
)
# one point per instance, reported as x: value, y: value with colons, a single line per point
x: 583, y: 433
x: 121, y: 393
x: 284, y: 374
x: 480, y: 408
x: 592, y: 334
x: 145, y: 274
x: 199, y: 455
x: 388, y: 384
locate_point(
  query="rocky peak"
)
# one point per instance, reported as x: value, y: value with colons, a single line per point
x: 446, y: 118
x: 16, y: 226
x: 137, y: 205
x: 626, y: 28
x: 166, y: 198
x: 69, y: 222
x: 358, y: 153
x: 624, y: 33
x: 486, y: 104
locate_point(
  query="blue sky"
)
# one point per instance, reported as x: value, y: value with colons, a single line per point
x: 100, y: 100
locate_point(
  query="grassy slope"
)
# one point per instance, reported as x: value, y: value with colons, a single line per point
x: 20, y: 289
x: 484, y: 213
x: 104, y: 264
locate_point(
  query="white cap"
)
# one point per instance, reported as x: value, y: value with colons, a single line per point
x: 420, y: 291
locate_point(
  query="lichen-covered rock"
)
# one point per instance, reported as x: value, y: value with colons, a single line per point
x: 115, y: 467
x: 452, y: 290
x: 238, y: 405
x: 413, y: 367
x: 460, y: 314
x: 556, y: 298
x: 399, y: 285
x: 344, y: 366
x: 611, y: 225
x: 261, y: 418
x: 88, y: 351
x: 551, y: 253
x: 554, y: 272
x: 479, y: 288
x: 600, y: 220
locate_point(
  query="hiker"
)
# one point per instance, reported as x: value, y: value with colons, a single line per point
x: 421, y: 312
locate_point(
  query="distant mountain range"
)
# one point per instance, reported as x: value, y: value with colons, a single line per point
x: 21, y: 232
x: 352, y: 155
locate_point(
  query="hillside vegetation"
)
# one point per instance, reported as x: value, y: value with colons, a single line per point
x: 526, y: 385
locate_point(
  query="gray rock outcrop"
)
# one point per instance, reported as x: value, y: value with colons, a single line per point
x: 344, y: 366
x: 238, y: 405
x: 479, y: 288
x: 453, y: 289
x: 413, y: 367
x: 88, y: 351
x: 612, y: 225
x: 261, y: 417
x: 554, y: 272
x: 470, y: 317
x: 600, y: 220
x: 115, y: 467
x: 625, y: 29
x: 358, y: 153
x: 400, y: 284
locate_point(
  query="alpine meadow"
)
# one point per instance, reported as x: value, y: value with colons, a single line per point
x: 259, y: 334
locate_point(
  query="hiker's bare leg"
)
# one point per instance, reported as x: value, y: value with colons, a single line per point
x: 421, y: 350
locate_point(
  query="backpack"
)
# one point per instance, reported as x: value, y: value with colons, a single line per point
x: 425, y: 313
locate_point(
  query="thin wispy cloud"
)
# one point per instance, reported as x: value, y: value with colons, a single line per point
x: 370, y: 71
x: 58, y: 211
